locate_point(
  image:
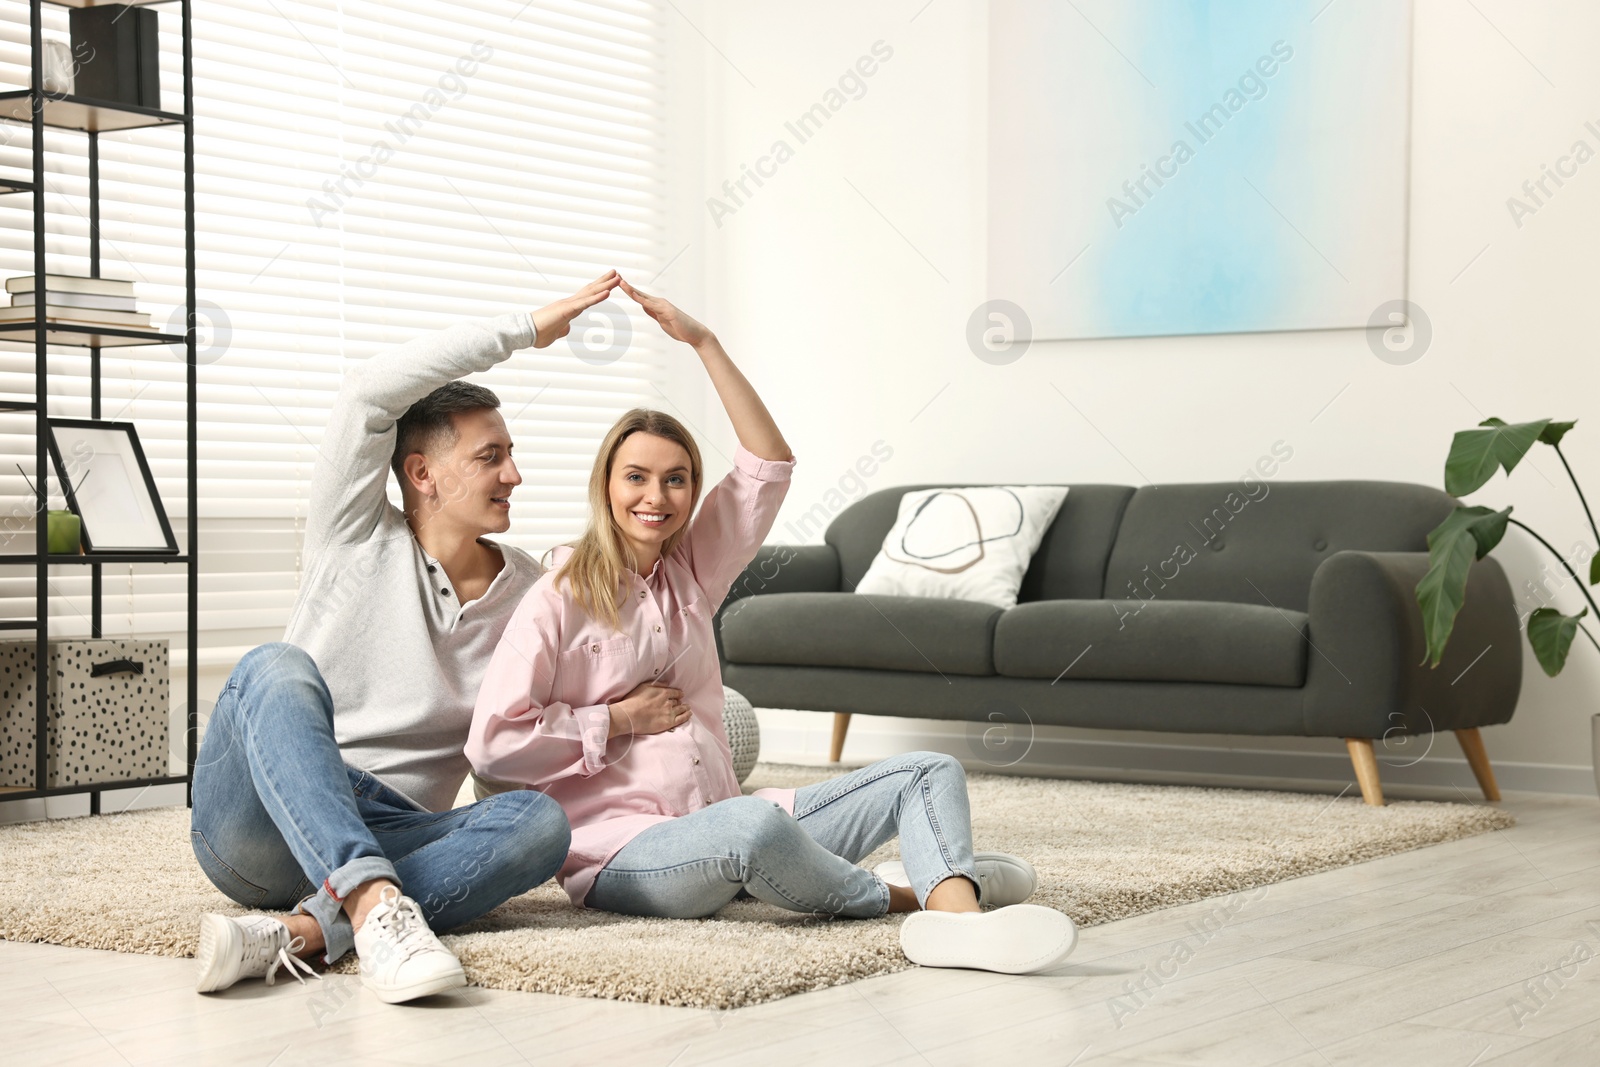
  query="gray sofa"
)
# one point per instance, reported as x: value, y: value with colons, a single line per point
x: 1271, y: 608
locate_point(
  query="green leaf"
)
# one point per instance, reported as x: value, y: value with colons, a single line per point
x: 1594, y: 569
x: 1465, y: 535
x: 1550, y: 435
x: 1553, y: 433
x: 1488, y: 528
x: 1476, y: 454
x: 1441, y: 592
x: 1485, y: 526
x: 1551, y: 633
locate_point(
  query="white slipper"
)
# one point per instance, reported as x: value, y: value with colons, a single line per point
x: 1019, y: 939
x: 1003, y: 878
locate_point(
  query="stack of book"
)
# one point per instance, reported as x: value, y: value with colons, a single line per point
x: 78, y: 300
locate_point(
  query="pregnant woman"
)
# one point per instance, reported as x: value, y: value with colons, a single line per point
x: 605, y: 694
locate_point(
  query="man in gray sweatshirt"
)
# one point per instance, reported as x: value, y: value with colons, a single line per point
x: 329, y: 769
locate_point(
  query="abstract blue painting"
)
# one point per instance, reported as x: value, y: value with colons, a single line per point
x: 1164, y: 167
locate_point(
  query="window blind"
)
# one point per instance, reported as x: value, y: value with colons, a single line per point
x: 365, y: 172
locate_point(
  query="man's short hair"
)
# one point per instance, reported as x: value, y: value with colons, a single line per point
x: 427, y: 425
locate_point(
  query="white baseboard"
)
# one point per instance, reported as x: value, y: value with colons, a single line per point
x: 803, y: 737
x: 111, y: 801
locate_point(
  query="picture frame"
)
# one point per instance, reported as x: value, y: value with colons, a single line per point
x: 107, y: 482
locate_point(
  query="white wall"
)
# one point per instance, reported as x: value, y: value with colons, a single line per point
x: 844, y: 283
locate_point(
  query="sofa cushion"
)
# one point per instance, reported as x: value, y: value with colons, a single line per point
x: 1070, y: 561
x: 1259, y: 542
x: 1152, y: 641
x: 892, y: 633
x: 973, y: 543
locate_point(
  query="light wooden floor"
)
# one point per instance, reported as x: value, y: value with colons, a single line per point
x: 1481, y: 951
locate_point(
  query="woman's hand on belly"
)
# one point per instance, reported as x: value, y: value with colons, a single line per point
x: 649, y: 709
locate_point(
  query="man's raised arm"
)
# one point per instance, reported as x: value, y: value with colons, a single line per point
x: 349, y: 479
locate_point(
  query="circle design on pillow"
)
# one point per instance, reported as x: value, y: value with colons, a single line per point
x: 915, y: 559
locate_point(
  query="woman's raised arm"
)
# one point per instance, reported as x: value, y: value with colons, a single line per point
x: 752, y: 423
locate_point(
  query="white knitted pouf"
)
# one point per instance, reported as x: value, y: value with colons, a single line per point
x: 744, y: 733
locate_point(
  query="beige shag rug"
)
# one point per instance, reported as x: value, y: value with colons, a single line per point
x: 1103, y: 851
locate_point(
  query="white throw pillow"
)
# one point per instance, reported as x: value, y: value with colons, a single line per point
x: 964, y: 544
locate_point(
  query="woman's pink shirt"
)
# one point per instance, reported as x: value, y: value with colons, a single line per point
x: 542, y: 719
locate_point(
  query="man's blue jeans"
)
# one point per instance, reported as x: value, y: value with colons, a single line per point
x: 691, y: 866
x: 279, y: 818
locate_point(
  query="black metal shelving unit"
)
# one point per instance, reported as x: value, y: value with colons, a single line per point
x: 38, y: 109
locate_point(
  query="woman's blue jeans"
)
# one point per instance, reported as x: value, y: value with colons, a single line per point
x: 280, y: 820
x: 691, y: 866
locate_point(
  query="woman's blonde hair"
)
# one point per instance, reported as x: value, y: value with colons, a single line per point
x: 601, y: 557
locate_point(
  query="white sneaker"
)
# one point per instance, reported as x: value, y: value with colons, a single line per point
x: 251, y: 946
x: 1003, y: 879
x: 401, y: 958
x: 1019, y: 939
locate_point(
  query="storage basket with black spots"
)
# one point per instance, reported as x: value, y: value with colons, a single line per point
x: 109, y: 712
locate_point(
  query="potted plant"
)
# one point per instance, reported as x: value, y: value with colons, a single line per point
x: 1468, y: 534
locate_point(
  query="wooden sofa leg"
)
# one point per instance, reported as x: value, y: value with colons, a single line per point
x: 1472, y: 745
x: 841, y: 726
x: 1366, y: 764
